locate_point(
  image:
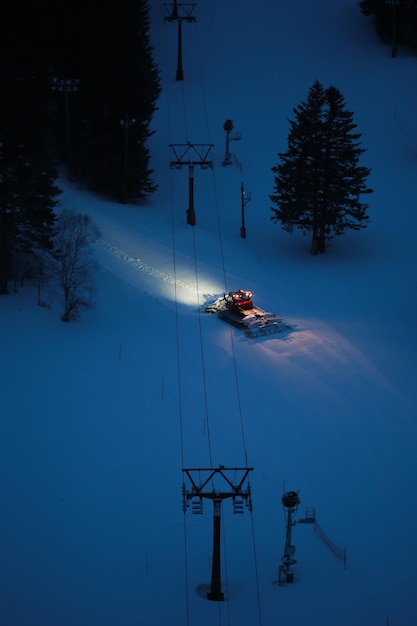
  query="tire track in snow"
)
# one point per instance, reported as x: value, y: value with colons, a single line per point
x: 140, y: 265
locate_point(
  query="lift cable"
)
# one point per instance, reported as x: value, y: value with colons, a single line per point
x: 203, y: 90
x: 203, y: 366
x: 177, y: 337
x: 255, y: 558
x: 184, y: 108
x: 232, y: 342
x: 225, y: 566
x: 177, y: 330
x: 219, y: 232
x: 242, y: 429
x: 200, y: 331
x: 222, y: 258
x: 231, y: 336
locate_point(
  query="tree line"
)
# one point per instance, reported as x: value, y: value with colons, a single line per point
x: 76, y: 70
x: 393, y: 19
x: 78, y: 86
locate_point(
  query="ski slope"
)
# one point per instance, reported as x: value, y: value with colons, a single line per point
x: 100, y: 417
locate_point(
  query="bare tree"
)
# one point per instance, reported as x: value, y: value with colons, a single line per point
x: 74, y: 262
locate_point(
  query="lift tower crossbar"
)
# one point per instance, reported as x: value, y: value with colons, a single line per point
x: 179, y: 11
x: 237, y: 488
x: 191, y: 155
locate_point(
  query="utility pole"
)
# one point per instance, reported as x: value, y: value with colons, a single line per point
x: 178, y: 13
x: 202, y: 485
x: 236, y: 136
x: 191, y: 155
x: 126, y: 124
x: 245, y: 197
x: 66, y: 86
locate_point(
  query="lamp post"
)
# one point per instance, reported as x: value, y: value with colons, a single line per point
x: 66, y: 86
x: 245, y: 197
x: 394, y: 4
x: 127, y: 123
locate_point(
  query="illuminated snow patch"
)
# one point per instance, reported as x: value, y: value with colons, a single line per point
x: 185, y: 291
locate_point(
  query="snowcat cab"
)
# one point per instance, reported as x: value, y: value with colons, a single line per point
x: 241, y: 300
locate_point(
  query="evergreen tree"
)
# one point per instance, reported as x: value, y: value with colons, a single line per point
x: 27, y: 198
x: 27, y: 171
x: 27, y: 180
x: 318, y: 181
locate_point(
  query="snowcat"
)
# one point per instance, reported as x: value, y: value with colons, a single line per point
x: 237, y: 308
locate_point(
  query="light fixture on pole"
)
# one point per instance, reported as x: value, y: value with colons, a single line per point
x: 236, y: 136
x: 65, y: 86
x: 290, y: 502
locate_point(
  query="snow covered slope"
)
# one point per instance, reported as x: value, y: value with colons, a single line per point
x: 100, y: 417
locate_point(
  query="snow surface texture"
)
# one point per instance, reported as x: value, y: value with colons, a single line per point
x: 99, y: 417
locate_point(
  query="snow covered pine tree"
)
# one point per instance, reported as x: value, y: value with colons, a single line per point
x: 318, y: 181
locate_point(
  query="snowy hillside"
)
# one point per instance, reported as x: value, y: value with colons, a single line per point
x: 100, y: 417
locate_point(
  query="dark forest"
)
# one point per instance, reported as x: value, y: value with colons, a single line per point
x: 78, y: 82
